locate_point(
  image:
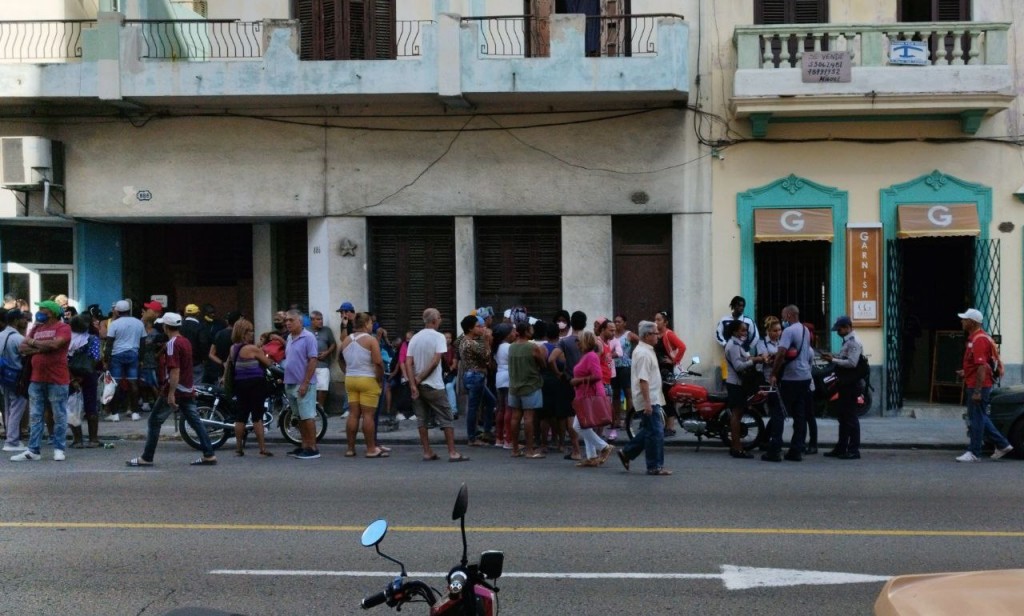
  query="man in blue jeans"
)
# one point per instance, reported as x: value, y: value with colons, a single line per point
x: 177, y: 394
x: 647, y: 396
x: 979, y: 357
x: 121, y: 356
x: 792, y: 373
x: 475, y: 357
x: 47, y: 347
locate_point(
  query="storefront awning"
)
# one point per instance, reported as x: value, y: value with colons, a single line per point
x: 938, y: 220
x: 792, y: 225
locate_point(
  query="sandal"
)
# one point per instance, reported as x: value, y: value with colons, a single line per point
x: 518, y: 454
x: 431, y: 457
x: 661, y: 472
x: 92, y: 445
x: 266, y: 454
x: 137, y: 462
x: 380, y: 454
x: 350, y: 454
x: 203, y: 462
x: 78, y: 445
x: 459, y: 458
x: 239, y: 452
x: 589, y: 463
x: 536, y: 456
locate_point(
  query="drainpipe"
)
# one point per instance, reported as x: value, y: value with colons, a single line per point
x: 46, y: 201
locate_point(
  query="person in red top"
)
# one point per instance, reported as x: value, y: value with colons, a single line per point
x: 670, y: 351
x: 979, y: 357
x: 176, y: 393
x: 47, y: 346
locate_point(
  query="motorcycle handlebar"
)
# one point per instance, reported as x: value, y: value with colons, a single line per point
x: 373, y: 600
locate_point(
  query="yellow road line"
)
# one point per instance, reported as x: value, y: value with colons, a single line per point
x: 848, y: 532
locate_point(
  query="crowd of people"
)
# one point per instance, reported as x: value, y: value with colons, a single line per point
x: 516, y: 380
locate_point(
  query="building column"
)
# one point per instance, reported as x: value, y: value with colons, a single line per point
x: 465, y: 270
x: 337, y: 266
x: 263, y: 276
x: 692, y: 307
x: 587, y: 261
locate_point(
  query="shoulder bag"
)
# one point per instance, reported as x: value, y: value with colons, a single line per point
x: 593, y: 411
x: 9, y: 375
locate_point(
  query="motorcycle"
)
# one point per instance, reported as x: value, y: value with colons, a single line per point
x: 824, y: 374
x: 708, y: 415
x: 217, y: 415
x: 470, y: 587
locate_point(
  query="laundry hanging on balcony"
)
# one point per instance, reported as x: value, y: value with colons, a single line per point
x: 792, y: 225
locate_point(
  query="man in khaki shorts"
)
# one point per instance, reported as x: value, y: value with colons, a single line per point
x: 426, y: 384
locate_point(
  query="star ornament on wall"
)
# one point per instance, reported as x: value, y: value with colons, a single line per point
x: 348, y: 248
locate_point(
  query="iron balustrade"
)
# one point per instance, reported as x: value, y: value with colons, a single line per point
x: 408, y: 36
x: 605, y: 36
x: 198, y: 39
x: 57, y: 39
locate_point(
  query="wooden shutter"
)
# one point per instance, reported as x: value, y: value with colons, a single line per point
x: 368, y: 28
x: 777, y: 12
x: 519, y: 263
x: 318, y: 25
x: 381, y: 26
x: 412, y: 267
x: 952, y: 10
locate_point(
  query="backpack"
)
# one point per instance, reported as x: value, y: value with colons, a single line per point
x: 9, y: 375
x: 995, y: 363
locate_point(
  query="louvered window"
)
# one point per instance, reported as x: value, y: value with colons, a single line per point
x: 412, y: 267
x: 934, y: 10
x: 778, y: 12
x: 519, y: 263
x: 346, y: 29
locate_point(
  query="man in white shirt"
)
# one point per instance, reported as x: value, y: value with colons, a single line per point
x: 426, y: 384
x: 647, y: 397
x: 124, y: 335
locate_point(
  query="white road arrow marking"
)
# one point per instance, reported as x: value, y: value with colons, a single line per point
x: 733, y: 577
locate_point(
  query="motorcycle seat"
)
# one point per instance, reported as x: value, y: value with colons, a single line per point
x: 717, y: 397
x: 209, y: 390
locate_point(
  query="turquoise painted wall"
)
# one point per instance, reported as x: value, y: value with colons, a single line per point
x: 99, y: 264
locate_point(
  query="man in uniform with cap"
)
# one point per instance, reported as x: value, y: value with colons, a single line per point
x: 848, y: 446
x: 979, y: 357
x: 121, y: 356
x: 47, y: 348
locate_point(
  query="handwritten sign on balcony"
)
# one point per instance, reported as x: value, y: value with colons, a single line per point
x: 826, y: 67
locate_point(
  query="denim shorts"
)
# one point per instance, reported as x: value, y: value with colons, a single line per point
x: 532, y: 400
x: 304, y: 407
x: 125, y: 365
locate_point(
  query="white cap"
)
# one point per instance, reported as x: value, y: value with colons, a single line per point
x: 122, y: 305
x: 972, y: 314
x: 170, y: 318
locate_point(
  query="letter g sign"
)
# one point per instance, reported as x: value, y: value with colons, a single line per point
x: 792, y: 220
x: 939, y: 216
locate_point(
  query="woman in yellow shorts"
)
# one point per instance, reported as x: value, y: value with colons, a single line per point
x: 364, y: 370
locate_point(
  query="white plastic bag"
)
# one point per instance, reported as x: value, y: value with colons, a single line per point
x: 109, y: 388
x: 75, y: 409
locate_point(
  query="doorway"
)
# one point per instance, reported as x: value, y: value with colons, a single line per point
x: 936, y: 285
x: 642, y: 266
x: 795, y: 273
x: 38, y: 262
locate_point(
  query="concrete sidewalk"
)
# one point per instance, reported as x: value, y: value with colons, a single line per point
x: 876, y: 433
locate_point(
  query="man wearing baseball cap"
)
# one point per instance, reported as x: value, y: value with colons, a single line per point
x: 348, y: 318
x: 979, y: 357
x: 121, y: 357
x: 148, y: 351
x: 848, y: 447
x: 47, y: 347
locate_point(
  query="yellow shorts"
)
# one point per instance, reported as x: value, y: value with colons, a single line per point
x: 363, y: 390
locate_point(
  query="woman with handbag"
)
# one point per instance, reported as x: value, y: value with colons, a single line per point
x: 591, y: 396
x: 245, y: 381
x: 742, y: 372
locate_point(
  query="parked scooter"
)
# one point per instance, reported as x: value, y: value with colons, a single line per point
x: 469, y: 593
x: 217, y: 414
x: 708, y: 415
x: 824, y: 375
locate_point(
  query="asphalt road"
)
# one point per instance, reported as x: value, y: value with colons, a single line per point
x: 281, y: 536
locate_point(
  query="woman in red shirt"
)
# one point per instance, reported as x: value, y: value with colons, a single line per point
x: 670, y: 351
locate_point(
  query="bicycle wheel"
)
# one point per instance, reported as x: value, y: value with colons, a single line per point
x: 290, y: 424
x: 751, y: 429
x: 218, y: 434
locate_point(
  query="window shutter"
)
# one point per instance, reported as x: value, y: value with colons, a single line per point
x: 810, y: 11
x: 303, y: 11
x: 329, y: 18
x: 769, y: 12
x: 381, y: 28
x: 953, y: 10
x: 777, y: 12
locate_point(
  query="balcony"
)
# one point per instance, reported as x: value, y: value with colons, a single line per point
x: 455, y: 61
x: 964, y: 74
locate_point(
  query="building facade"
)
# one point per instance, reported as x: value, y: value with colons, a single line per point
x: 608, y: 156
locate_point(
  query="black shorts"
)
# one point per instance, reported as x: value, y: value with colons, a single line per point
x: 250, y: 395
x: 737, y: 397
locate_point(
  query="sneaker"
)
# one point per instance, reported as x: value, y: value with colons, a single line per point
x: 967, y: 457
x: 145, y: 408
x: 58, y: 455
x: 25, y: 456
x: 15, y: 447
x: 136, y: 417
x: 295, y: 452
x: 308, y: 454
x: 999, y: 453
x: 112, y: 417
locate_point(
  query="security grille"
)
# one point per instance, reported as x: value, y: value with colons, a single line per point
x: 794, y: 273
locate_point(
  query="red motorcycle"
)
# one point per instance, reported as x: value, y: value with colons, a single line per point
x: 708, y: 415
x: 469, y: 591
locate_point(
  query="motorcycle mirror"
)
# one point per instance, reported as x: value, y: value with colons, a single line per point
x: 696, y: 360
x: 461, y: 503
x: 374, y: 533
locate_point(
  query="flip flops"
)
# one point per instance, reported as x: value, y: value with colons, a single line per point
x: 266, y: 454
x: 380, y: 454
x: 430, y: 458
x: 458, y: 458
x: 350, y: 454
x: 203, y: 462
x: 137, y: 462
x: 536, y: 456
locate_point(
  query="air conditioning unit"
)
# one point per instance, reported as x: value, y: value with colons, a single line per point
x: 26, y: 161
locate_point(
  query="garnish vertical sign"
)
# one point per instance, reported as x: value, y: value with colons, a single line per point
x: 864, y: 273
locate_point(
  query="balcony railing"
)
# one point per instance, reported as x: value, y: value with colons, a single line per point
x: 408, y: 37
x: 527, y: 36
x: 950, y: 43
x: 42, y: 40
x: 198, y: 39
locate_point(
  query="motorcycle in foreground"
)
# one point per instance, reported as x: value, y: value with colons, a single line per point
x: 469, y: 593
x: 214, y: 408
x: 705, y: 414
x: 824, y: 374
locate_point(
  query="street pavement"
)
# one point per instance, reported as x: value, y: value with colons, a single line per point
x: 943, y: 428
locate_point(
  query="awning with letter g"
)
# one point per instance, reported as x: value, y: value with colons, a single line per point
x: 938, y: 220
x: 792, y: 225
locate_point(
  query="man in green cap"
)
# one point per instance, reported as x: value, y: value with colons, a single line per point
x: 47, y: 347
